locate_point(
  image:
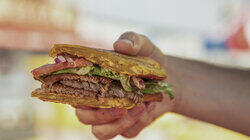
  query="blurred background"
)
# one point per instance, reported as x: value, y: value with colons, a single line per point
x: 214, y: 31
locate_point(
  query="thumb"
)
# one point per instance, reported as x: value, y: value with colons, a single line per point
x: 131, y: 43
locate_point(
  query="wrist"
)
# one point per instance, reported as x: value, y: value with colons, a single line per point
x: 177, y: 99
x: 167, y: 104
x: 176, y: 85
x: 173, y: 78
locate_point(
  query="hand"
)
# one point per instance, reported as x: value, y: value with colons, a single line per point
x: 108, y: 123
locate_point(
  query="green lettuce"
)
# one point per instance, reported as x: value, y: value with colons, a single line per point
x: 62, y: 71
x: 80, y: 71
x: 154, y: 87
x: 112, y: 75
x: 104, y: 72
x: 125, y: 81
x: 96, y: 70
x: 83, y: 70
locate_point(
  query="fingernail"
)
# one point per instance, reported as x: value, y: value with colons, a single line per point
x: 137, y: 110
x: 127, y: 41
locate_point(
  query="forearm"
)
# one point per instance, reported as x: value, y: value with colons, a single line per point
x: 217, y: 95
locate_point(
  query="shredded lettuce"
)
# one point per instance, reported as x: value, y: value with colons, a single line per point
x: 154, y: 87
x: 125, y: 81
x: 104, y: 72
x: 80, y: 71
x: 96, y: 70
x: 83, y: 70
x: 112, y: 75
x: 150, y: 88
x: 62, y: 71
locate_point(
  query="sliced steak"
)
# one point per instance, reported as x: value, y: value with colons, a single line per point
x: 61, y: 89
x: 91, y: 83
x: 57, y: 77
x: 84, y: 85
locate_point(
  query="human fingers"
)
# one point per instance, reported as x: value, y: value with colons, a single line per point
x: 132, y: 43
x: 145, y: 119
x: 99, y: 116
x: 110, y: 130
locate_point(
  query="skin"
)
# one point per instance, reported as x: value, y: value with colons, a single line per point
x: 202, y: 91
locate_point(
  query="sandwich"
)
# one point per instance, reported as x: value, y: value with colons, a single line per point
x: 99, y: 78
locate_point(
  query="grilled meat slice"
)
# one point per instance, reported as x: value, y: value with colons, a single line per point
x: 84, y: 85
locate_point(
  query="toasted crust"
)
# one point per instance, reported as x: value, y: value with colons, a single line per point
x: 133, y: 66
x: 92, y: 102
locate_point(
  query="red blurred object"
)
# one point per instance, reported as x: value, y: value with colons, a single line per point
x: 238, y: 40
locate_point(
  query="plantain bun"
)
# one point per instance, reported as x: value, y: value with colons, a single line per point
x: 138, y: 66
x: 91, y: 101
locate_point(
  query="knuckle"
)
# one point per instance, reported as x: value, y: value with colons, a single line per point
x: 97, y: 133
x: 84, y: 122
x: 82, y: 118
x: 144, y: 122
x: 147, y: 121
x: 138, y: 126
x: 126, y: 124
x: 101, y: 134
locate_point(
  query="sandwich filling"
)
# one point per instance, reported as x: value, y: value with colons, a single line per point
x: 84, y: 85
x: 80, y: 77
